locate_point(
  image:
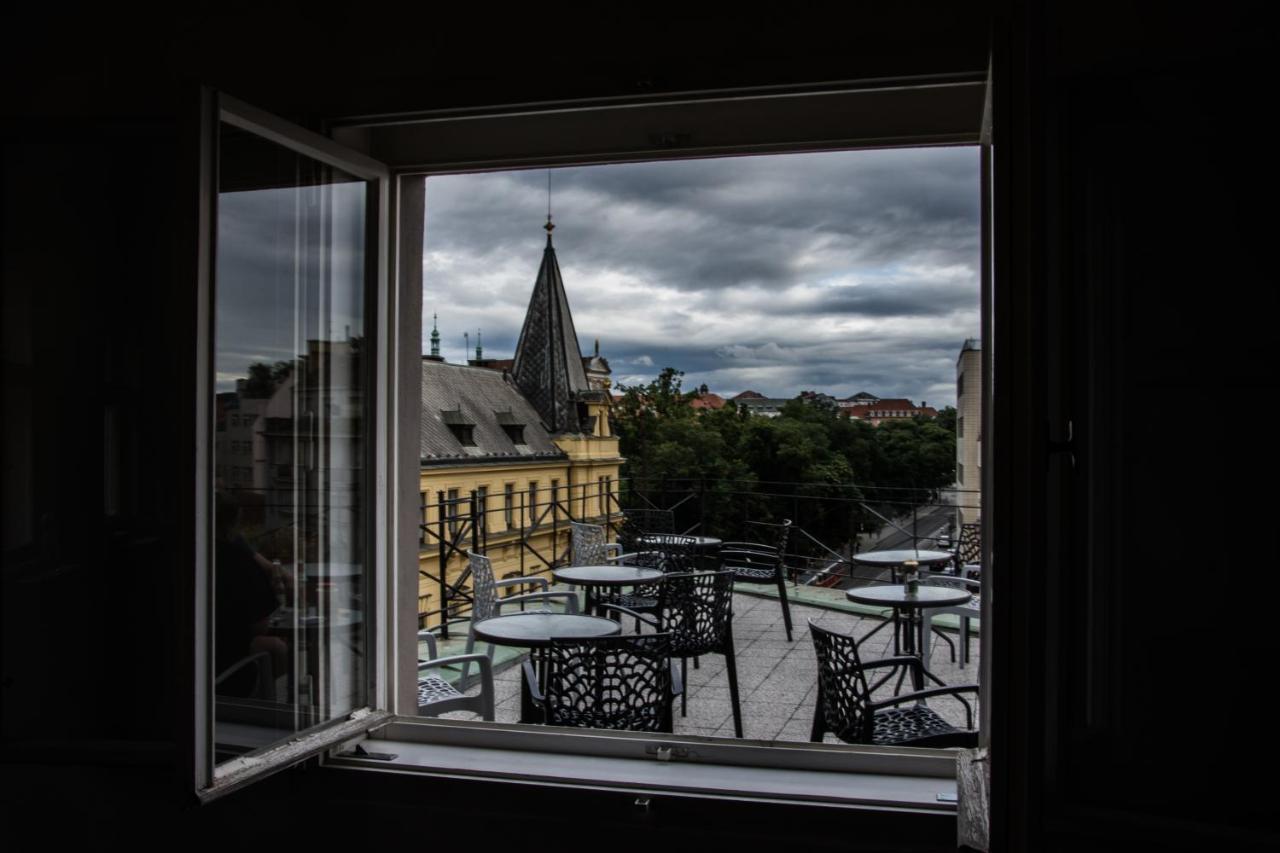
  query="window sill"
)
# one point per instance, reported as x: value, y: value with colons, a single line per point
x: 758, y: 771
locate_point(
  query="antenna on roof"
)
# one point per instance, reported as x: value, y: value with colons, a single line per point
x: 479, y: 347
x: 466, y: 345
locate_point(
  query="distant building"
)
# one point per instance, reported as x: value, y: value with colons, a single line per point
x: 862, y: 398
x: 887, y: 409
x: 969, y: 431
x: 704, y: 400
x: 529, y: 436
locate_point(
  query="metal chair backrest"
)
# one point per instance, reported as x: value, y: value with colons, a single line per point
x: 587, y: 544
x: 969, y: 548
x: 639, y: 522
x: 484, y: 590
x: 846, y: 698
x: 610, y: 683
x: 696, y: 609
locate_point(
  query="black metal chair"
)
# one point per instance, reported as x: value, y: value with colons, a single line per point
x: 626, y: 683
x: 757, y: 563
x: 669, y: 552
x: 847, y: 709
x: 696, y: 609
x: 968, y: 553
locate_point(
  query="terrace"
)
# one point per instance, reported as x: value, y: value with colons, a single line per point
x: 777, y: 678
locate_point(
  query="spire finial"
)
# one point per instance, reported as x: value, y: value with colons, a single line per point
x: 435, y: 336
x: 466, y: 344
x: 550, y: 226
x: 597, y: 347
x: 479, y: 347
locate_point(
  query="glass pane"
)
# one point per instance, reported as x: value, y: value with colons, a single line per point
x: 290, y: 409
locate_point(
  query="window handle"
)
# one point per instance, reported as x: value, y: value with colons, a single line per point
x: 1066, y: 445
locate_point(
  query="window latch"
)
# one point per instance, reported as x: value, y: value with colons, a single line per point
x: 1067, y: 446
x: 666, y: 752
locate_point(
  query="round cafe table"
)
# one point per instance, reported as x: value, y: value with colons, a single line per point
x: 893, y: 560
x: 534, y: 632
x: 593, y: 577
x: 913, y: 605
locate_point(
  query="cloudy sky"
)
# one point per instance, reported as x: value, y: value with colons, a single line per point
x: 840, y: 272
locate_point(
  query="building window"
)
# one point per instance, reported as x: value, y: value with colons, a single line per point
x: 533, y: 503
x: 960, y: 473
x: 509, y: 505
x: 960, y: 427
x: 422, y: 519
x: 515, y: 432
x: 451, y: 505
x: 482, y: 508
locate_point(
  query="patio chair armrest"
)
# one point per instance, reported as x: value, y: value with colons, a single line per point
x: 532, y: 581
x: 623, y: 558
x: 486, y: 663
x: 570, y: 599
x: 646, y: 618
x: 252, y: 659
x: 613, y: 547
x: 900, y: 660
x: 531, y: 681
x: 677, y: 684
x: 430, y: 639
x: 916, y: 695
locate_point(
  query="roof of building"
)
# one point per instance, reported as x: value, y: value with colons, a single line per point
x: 749, y: 395
x: 548, y: 362
x: 707, y: 401
x: 861, y: 397
x: 485, y: 400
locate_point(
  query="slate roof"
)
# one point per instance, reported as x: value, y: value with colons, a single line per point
x: 548, y: 364
x: 485, y: 400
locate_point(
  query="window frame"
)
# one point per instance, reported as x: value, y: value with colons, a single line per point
x: 210, y: 780
x: 398, y: 359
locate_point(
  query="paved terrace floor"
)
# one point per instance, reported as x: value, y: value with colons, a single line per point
x: 777, y: 680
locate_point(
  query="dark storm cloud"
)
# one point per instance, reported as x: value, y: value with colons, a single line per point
x: 787, y: 270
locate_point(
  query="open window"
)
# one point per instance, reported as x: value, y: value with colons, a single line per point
x: 905, y: 113
x: 287, y: 566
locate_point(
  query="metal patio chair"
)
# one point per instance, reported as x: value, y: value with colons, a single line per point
x: 696, y: 609
x: 965, y: 612
x: 757, y: 563
x: 486, y: 603
x: 846, y: 707
x: 589, y: 545
x: 437, y: 696
x: 626, y: 683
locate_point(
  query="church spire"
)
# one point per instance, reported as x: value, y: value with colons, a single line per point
x: 435, y: 337
x: 479, y: 347
x: 548, y: 363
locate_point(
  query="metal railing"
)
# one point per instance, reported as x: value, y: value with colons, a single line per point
x: 831, y: 523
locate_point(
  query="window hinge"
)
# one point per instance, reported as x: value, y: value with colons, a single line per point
x: 666, y: 752
x: 1065, y: 443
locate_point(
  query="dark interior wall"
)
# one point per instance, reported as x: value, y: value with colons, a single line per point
x: 91, y: 462
x: 1136, y: 200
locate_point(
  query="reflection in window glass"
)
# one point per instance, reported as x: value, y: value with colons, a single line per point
x: 290, y: 408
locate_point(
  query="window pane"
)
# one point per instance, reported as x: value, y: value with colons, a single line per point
x: 290, y: 511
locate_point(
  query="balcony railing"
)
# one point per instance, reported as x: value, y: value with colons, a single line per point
x: 831, y: 523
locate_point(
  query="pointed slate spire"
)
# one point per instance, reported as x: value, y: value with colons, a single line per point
x: 435, y: 337
x: 548, y: 363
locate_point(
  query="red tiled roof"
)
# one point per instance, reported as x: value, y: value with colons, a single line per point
x: 707, y: 401
x: 749, y: 395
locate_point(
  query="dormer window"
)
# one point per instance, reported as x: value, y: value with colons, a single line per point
x: 462, y: 428
x: 465, y: 433
x: 511, y: 426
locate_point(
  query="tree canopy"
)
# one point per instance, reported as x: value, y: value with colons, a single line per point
x: 809, y: 464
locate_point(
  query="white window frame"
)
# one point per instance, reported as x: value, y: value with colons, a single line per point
x: 212, y: 781
x: 934, y: 111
